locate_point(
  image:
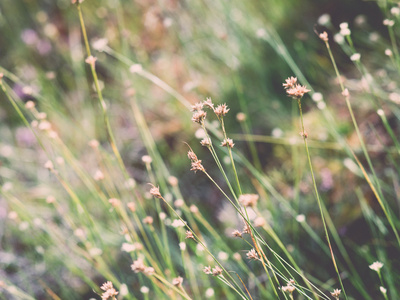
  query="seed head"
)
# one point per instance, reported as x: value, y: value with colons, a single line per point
x: 248, y: 199
x: 189, y: 235
x: 197, y: 166
x: 192, y: 156
x: 252, y: 254
x: 91, y: 60
x: 227, y: 143
x: 221, y: 110
x: 177, y: 281
x: 336, y: 293
x: 290, y: 82
x: 376, y: 266
x: 199, y: 116
x: 138, y: 266
x: 237, y: 233
x: 205, y: 142
x: 208, y: 103
x: 297, y: 91
x: 324, y: 36
x: 207, y: 270
x: 216, y: 271
x: 197, y: 106
x: 155, y: 191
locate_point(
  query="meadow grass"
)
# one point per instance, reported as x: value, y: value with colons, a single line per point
x: 148, y: 151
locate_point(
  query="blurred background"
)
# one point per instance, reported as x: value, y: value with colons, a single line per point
x: 236, y: 52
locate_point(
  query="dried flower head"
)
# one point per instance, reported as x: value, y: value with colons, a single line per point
x: 189, y: 235
x: 131, y: 206
x: 114, y: 202
x: 324, y: 36
x: 288, y: 289
x: 91, y: 60
x: 205, y: 142
x: 376, y: 266
x: 197, y: 166
x: 192, y: 156
x: 173, y: 181
x: 241, y: 117
x: 248, y: 199
x: 297, y: 91
x: 259, y: 222
x: 29, y: 105
x: 155, y: 191
x: 197, y: 106
x: 148, y: 220
x: 237, y: 233
x: 199, y: 116
x: 227, y: 143
x: 147, y: 159
x: 216, y: 271
x: 207, y: 270
x: 177, y: 281
x: 221, y: 110
x: 290, y: 82
x: 246, y: 229
x: 208, y: 103
x: 138, y: 266
x: 336, y: 293
x: 107, y: 285
x: 148, y: 271
x: 252, y: 254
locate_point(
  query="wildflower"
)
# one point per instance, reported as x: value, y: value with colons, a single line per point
x: 376, y: 266
x: 237, y: 233
x: 49, y: 165
x: 383, y: 290
x: 346, y: 93
x: 241, y: 117
x: 324, y: 20
x: 1, y: 76
x: 207, y: 270
x: 221, y: 110
x: 248, y: 199
x: 259, y: 222
x: 136, y: 68
x: 148, y: 220
x: 290, y: 82
x: 93, y: 144
x: 177, y: 281
x: 246, y: 229
x: 355, y: 57
x: 324, y: 36
x: 126, y: 247
x: 98, y: 175
x: 227, y: 143
x: 300, y: 218
x: 388, y: 52
x: 205, y: 142
x: 148, y: 271
x: 197, y: 106
x: 131, y: 206
x: 388, y: 22
x: 106, y: 286
x: 114, y: 202
x: 192, y: 156
x: 208, y: 103
x: 297, y: 91
x: 199, y: 116
x: 194, y: 209
x: 155, y: 191
x: 144, y: 289
x: 216, y: 271
x: 138, y: 266
x: 29, y: 105
x: 344, y: 29
x: 178, y: 223
x: 304, y: 134
x: 91, y: 60
x: 179, y: 202
x: 288, y: 288
x: 336, y: 293
x: 197, y: 166
x: 173, y: 181
x: 252, y: 254
x: 147, y: 159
